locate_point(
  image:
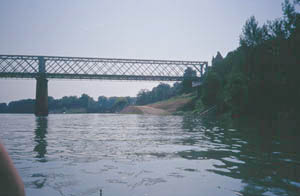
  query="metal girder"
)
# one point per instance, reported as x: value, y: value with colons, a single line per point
x: 22, y: 66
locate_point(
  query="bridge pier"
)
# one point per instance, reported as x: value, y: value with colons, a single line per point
x: 41, y: 97
x: 41, y: 93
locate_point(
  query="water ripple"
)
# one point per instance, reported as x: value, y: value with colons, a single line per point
x: 147, y: 155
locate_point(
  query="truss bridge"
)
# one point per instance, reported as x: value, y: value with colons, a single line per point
x: 43, y: 68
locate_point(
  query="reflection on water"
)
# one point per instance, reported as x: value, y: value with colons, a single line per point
x: 40, y: 138
x: 151, y: 155
x: 267, y: 162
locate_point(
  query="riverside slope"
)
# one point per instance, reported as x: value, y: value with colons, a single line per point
x: 166, y: 107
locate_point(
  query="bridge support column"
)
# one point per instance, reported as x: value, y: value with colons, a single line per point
x: 41, y: 97
x: 201, y: 70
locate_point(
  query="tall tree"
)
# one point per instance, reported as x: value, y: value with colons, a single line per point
x: 188, y: 76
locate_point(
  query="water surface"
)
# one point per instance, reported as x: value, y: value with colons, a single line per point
x: 136, y: 155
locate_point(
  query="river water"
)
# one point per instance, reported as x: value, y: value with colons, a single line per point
x: 139, y: 155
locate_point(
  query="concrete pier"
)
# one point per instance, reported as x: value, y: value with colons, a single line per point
x: 41, y: 97
x: 41, y: 94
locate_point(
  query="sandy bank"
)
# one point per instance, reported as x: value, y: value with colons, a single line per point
x: 160, y: 108
x: 143, y: 110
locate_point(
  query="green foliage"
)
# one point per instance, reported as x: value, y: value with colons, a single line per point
x: 261, y: 77
x: 289, y: 16
x: 236, y: 92
x: 3, y: 107
x: 189, y: 73
x: 165, y: 91
x: 253, y: 35
x: 199, y: 106
x: 159, y: 93
x: 120, y: 103
x: 211, y: 87
x: 22, y: 106
x: 215, y: 60
x: 84, y: 103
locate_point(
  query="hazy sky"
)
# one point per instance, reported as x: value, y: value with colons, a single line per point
x: 146, y: 29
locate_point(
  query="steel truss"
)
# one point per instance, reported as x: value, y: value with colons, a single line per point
x: 21, y: 66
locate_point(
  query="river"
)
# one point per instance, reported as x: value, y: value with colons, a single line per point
x: 143, y: 155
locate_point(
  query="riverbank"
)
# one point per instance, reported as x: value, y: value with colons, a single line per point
x: 143, y: 110
x: 165, y: 107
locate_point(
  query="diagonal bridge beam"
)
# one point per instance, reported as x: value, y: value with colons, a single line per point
x: 23, y: 66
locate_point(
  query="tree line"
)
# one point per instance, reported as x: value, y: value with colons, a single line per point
x: 261, y: 77
x: 71, y: 104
